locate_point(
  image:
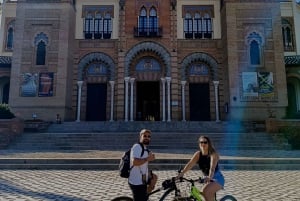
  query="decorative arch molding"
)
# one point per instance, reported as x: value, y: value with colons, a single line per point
x: 293, y: 75
x: 41, y: 37
x: 199, y: 57
x: 151, y: 47
x: 96, y: 57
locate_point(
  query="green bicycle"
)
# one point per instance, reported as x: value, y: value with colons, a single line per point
x: 173, y: 192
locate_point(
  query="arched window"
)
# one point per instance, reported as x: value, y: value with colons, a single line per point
x: 255, y: 42
x: 10, y: 36
x: 153, y: 22
x: 98, y: 26
x: 41, y: 53
x: 98, y: 21
x: 197, y: 26
x: 287, y: 34
x: 207, y: 26
x: 40, y: 42
x: 107, y: 26
x: 143, y: 22
x: 254, y: 53
x: 188, y: 26
x: 88, y: 26
x: 198, y: 21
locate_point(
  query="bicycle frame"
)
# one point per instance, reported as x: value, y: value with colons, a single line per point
x: 195, y: 193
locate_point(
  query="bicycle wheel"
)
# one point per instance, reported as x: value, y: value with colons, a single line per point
x: 123, y: 198
x: 228, y: 198
x: 169, y: 195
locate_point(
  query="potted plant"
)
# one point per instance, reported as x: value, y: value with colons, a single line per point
x: 5, y: 112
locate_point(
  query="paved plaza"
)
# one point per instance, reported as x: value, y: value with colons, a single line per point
x: 80, y: 185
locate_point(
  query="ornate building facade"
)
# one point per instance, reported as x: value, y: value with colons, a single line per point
x: 150, y: 60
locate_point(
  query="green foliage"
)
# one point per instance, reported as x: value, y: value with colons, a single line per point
x: 292, y: 135
x: 5, y: 112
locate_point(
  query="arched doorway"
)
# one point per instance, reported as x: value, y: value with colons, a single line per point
x: 199, y: 70
x: 96, y: 70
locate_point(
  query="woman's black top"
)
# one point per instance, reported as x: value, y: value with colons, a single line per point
x: 204, y: 164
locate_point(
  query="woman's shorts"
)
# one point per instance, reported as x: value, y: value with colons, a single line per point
x: 219, y: 178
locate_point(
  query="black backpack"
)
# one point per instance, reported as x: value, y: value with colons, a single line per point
x: 124, y: 166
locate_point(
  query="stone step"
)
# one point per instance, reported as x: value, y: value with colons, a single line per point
x: 122, y: 140
x: 186, y: 126
x: 159, y: 164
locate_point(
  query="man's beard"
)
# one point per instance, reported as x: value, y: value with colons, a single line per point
x: 146, y: 142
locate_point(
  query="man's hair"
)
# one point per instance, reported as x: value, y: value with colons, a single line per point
x: 143, y: 131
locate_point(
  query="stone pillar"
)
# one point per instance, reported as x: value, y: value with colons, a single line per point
x: 169, y: 97
x: 163, y: 81
x: 79, y: 84
x: 216, y: 84
x: 112, y: 89
x: 126, y: 97
x: 183, y: 99
x: 131, y: 98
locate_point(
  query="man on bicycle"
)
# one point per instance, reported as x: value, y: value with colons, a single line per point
x: 140, y: 177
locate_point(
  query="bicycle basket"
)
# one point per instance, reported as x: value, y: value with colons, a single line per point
x: 168, y: 184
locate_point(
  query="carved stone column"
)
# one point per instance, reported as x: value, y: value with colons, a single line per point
x: 169, y: 97
x: 183, y: 99
x: 216, y: 84
x: 131, y: 98
x: 112, y: 89
x: 163, y: 81
x: 126, y: 97
x: 79, y: 84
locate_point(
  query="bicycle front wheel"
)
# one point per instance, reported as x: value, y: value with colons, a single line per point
x: 123, y: 198
x: 228, y: 198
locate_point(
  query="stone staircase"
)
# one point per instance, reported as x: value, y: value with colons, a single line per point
x: 240, y: 147
x: 119, y: 141
x: 174, y: 126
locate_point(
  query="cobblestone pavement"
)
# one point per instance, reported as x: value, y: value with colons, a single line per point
x: 67, y: 185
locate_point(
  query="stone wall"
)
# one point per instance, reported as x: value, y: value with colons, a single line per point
x: 9, y: 130
x: 273, y: 125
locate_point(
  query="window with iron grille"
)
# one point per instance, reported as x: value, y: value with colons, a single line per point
x: 97, y: 21
x: 198, y: 21
x: 147, y: 23
x: 10, y: 35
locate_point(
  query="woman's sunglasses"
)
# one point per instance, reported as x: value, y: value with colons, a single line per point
x: 203, y: 142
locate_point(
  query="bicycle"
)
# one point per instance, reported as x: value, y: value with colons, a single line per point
x: 173, y: 193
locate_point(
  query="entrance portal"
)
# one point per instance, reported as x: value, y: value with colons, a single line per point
x: 148, y: 102
x: 96, y: 102
x: 199, y: 102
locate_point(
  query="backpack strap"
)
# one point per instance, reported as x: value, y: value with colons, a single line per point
x: 143, y: 149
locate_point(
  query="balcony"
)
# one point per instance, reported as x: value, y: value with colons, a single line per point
x: 97, y: 34
x: 198, y: 34
x: 152, y: 32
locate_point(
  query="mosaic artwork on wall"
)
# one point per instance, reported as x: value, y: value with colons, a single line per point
x: 29, y: 86
x: 46, y: 84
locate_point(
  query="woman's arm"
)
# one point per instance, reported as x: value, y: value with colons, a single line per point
x: 193, y: 161
x: 214, y: 158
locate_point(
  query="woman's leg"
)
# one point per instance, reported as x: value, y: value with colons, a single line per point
x: 210, y: 189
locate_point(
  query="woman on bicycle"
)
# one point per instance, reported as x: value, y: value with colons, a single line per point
x: 207, y: 158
